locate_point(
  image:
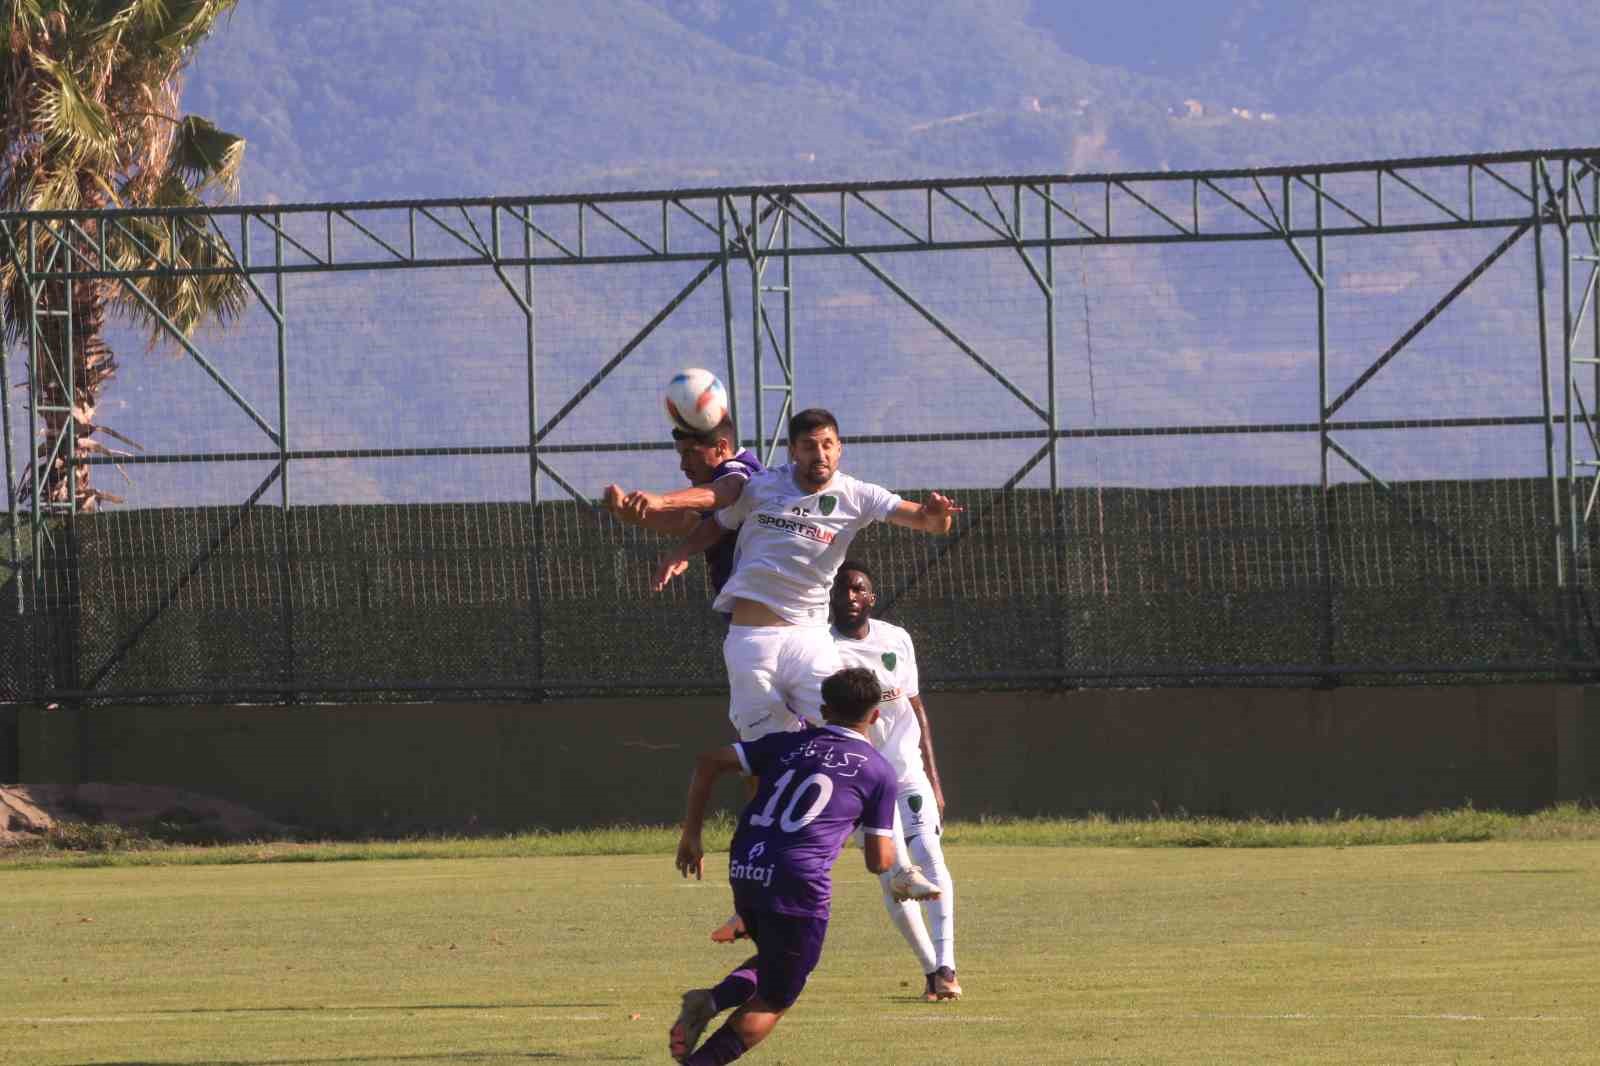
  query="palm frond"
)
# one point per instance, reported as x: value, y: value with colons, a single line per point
x: 74, y: 119
x: 207, y: 157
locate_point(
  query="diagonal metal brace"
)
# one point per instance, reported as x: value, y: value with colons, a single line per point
x: 171, y: 595
x: 811, y: 221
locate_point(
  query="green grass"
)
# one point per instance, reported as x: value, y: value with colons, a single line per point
x: 1416, y: 954
x: 103, y: 845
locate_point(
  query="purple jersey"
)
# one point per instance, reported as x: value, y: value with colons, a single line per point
x: 719, y: 557
x: 817, y: 785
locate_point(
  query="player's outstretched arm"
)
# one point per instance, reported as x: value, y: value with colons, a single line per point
x: 667, y: 523
x: 642, y: 505
x: 933, y: 516
x: 929, y: 767
x: 705, y: 533
x: 710, y: 766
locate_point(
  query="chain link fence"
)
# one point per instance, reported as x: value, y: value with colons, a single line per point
x: 1305, y: 426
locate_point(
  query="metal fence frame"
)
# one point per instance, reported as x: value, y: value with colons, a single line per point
x: 770, y: 228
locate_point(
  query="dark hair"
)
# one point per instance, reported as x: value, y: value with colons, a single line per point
x: 811, y: 418
x: 848, y: 695
x: 721, y: 431
x: 860, y: 568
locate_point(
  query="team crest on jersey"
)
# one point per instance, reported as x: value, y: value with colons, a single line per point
x: 914, y: 801
x: 826, y: 504
x: 889, y: 659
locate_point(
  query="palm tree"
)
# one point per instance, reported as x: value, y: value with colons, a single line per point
x: 89, y: 95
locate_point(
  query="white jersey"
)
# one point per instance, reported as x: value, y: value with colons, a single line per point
x: 886, y: 650
x: 791, y: 542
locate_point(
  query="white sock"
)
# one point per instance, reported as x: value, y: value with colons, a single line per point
x: 907, y: 917
x: 941, y: 912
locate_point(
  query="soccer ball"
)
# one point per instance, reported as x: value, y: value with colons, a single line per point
x: 695, y: 400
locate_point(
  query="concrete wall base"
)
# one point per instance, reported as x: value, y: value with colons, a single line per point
x: 1232, y: 752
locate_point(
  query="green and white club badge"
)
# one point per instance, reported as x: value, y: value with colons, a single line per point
x: 826, y: 504
x: 889, y: 659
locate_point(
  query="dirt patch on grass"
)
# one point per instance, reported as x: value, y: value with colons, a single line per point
x: 33, y: 814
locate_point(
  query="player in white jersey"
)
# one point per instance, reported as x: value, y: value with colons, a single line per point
x: 795, y: 524
x: 903, y: 736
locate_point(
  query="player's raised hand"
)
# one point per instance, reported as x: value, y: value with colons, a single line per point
x: 639, y: 504
x: 612, y: 499
x: 669, y: 568
x: 939, y: 506
x: 691, y: 856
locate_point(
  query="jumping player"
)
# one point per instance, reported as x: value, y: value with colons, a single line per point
x: 705, y: 459
x: 902, y: 734
x: 816, y: 786
x: 795, y: 524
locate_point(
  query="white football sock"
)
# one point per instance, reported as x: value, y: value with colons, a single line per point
x: 929, y: 854
x: 907, y: 917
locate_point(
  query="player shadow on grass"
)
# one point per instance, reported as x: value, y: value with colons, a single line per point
x: 449, y: 1056
x: 381, y: 1007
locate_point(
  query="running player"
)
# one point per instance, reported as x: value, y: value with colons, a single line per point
x: 901, y: 733
x: 816, y: 786
x: 705, y: 459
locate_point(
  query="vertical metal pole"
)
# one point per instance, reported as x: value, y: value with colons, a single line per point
x: 36, y: 526
x: 1057, y: 500
x: 536, y: 520
x: 1324, y: 500
x: 285, y: 548
x: 1049, y: 333
x: 35, y: 510
x: 11, y: 473
x: 64, y: 635
x: 786, y: 409
x: 531, y: 340
x: 756, y: 270
x: 727, y: 320
x: 1544, y: 369
x: 70, y: 374
x: 1568, y: 342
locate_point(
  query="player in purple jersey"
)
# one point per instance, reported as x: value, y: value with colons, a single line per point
x: 817, y: 785
x: 705, y: 459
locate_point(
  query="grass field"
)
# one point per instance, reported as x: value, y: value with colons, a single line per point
x: 1318, y: 953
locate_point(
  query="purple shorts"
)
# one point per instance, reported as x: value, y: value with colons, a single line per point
x: 787, y: 950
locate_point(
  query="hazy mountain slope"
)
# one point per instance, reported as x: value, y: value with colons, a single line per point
x: 370, y: 99
x: 407, y: 97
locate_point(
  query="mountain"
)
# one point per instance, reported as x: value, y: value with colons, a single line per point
x: 400, y: 98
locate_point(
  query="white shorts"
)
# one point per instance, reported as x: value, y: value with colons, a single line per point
x: 919, y: 814
x: 775, y: 676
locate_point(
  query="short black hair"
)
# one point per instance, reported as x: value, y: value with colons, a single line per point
x: 859, y: 567
x: 812, y: 418
x: 721, y: 431
x: 849, y: 695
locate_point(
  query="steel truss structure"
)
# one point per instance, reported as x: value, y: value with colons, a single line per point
x: 1531, y: 196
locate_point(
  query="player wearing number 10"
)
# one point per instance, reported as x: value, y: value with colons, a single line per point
x: 816, y: 786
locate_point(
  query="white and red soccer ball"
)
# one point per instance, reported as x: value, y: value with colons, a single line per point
x: 696, y: 401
